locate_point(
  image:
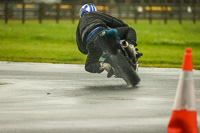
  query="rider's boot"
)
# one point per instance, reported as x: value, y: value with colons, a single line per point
x: 108, y: 68
x: 110, y: 73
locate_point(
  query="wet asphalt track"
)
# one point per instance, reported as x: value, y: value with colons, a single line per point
x: 54, y: 98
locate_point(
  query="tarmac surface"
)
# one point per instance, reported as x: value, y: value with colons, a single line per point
x: 63, y: 98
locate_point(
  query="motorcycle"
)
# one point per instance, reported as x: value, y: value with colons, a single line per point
x: 121, y: 56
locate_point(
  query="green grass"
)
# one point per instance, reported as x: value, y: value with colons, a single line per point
x: 163, y: 45
x: 33, y: 42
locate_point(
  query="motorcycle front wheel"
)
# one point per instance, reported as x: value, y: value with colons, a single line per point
x: 124, y: 69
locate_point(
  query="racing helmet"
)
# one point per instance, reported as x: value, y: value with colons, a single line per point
x: 87, y: 8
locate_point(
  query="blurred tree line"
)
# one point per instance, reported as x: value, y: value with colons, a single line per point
x: 123, y: 9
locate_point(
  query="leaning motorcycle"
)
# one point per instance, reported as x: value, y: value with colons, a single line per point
x: 121, y: 56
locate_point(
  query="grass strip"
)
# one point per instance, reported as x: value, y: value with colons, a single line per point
x: 163, y: 45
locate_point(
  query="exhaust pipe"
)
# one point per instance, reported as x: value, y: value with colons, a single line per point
x: 130, y: 50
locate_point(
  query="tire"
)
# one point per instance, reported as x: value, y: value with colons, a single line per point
x: 124, y: 69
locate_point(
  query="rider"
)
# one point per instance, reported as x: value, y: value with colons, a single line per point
x: 91, y: 24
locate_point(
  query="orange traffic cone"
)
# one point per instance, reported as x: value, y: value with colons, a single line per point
x: 184, y: 115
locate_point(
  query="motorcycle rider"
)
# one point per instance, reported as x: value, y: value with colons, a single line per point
x: 92, y: 26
